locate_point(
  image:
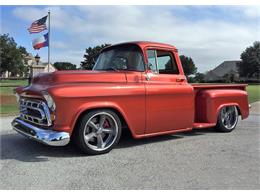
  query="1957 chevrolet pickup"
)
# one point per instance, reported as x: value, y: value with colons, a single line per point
x: 140, y: 85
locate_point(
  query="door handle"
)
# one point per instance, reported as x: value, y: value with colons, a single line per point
x: 180, y: 79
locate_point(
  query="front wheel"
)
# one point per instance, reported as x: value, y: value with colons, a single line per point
x: 227, y: 119
x: 98, y: 131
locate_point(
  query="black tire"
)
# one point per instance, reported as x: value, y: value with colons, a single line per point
x: 227, y: 119
x: 86, y: 136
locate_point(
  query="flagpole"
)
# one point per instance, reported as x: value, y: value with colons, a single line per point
x: 49, y: 20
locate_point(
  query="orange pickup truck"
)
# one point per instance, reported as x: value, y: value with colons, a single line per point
x: 139, y: 85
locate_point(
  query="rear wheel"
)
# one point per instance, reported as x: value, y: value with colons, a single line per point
x: 98, y: 131
x: 227, y: 119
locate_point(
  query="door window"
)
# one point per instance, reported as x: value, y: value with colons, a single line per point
x: 152, y: 60
x: 162, y: 62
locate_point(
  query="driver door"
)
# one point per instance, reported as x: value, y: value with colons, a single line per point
x: 169, y: 99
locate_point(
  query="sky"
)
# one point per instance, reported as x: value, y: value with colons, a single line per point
x: 207, y: 34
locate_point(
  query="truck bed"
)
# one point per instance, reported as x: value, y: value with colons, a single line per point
x: 209, y: 97
x: 219, y: 86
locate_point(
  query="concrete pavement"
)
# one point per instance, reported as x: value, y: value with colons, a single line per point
x: 202, y: 159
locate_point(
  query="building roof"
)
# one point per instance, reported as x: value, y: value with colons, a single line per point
x: 226, y: 67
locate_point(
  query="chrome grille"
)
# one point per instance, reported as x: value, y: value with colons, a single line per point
x: 35, y: 111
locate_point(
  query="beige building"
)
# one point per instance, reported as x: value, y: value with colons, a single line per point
x: 30, y: 62
x: 39, y: 67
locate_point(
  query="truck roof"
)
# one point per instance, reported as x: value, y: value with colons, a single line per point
x: 143, y: 44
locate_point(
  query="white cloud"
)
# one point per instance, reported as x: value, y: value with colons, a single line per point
x: 208, y: 41
x: 29, y: 13
x: 252, y: 11
x: 59, y: 45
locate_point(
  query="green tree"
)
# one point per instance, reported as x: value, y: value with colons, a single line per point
x: 91, y: 56
x: 227, y: 78
x: 199, y: 77
x: 188, y: 65
x: 23, y: 50
x: 250, y: 64
x: 11, y: 56
x: 25, y: 69
x: 64, y: 66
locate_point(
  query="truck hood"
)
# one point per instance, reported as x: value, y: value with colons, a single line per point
x: 79, y: 76
x: 43, y: 81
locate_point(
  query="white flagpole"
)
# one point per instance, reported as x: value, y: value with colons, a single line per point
x: 49, y: 15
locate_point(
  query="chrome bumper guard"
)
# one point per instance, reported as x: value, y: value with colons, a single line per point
x: 45, y: 136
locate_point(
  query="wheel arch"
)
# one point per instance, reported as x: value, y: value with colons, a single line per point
x: 112, y: 107
x: 227, y: 104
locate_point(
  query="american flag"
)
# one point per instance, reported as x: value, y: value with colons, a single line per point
x: 38, y: 25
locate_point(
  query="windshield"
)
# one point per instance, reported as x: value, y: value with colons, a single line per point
x: 127, y: 57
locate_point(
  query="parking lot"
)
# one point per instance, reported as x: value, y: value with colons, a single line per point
x: 202, y: 159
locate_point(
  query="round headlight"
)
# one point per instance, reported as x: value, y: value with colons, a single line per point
x: 49, y: 100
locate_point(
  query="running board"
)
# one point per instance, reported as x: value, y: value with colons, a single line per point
x: 203, y: 125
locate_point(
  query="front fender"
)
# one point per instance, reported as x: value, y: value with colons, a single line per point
x: 74, y: 99
x: 96, y: 105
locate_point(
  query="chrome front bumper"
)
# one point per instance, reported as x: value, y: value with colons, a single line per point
x: 46, y: 136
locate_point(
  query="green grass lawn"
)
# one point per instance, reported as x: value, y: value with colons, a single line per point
x: 12, y: 109
x: 7, y: 86
x: 253, y: 93
x: 9, y: 110
x: 13, y: 82
x: 6, y: 91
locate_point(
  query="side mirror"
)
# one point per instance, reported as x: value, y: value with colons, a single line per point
x: 149, y: 66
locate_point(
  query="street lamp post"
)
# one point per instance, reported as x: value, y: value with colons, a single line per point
x: 37, y: 59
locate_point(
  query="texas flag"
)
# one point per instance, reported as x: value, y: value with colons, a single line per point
x: 41, y: 42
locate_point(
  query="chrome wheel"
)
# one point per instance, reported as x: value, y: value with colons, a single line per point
x: 100, y: 131
x: 229, y: 117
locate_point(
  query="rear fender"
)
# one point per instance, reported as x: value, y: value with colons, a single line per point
x: 211, y: 101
